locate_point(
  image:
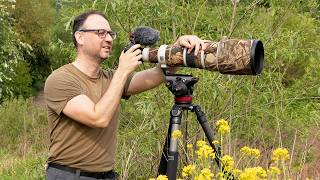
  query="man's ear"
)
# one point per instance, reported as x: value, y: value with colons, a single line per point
x: 79, y: 38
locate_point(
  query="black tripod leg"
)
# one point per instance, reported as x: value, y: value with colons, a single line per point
x: 173, y: 155
x: 165, y: 152
x: 169, y: 159
x: 202, y: 119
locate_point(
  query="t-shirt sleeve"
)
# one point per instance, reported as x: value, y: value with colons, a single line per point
x: 59, y: 89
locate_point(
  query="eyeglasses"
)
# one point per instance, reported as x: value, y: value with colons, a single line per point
x: 102, y: 33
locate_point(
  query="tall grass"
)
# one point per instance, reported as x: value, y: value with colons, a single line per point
x: 23, y: 139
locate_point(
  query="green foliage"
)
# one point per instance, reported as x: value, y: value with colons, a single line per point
x: 14, y: 71
x: 21, y: 82
x: 61, y: 49
x: 33, y: 21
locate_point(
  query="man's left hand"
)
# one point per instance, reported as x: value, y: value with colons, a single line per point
x: 190, y: 42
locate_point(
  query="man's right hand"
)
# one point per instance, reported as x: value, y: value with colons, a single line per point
x: 129, y: 60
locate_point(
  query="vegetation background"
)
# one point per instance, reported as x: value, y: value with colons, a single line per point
x: 279, y: 108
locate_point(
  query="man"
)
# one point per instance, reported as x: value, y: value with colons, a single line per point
x: 83, y: 100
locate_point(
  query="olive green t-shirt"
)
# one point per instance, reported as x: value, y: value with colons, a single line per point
x: 71, y: 143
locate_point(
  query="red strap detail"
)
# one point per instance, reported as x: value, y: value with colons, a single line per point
x: 184, y: 99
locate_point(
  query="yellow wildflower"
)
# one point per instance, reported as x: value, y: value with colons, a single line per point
x: 236, y: 172
x: 220, y: 176
x: 274, y: 171
x: 205, y: 174
x: 224, y: 130
x: 176, y: 134
x: 215, y: 142
x: 201, y: 143
x: 189, y: 146
x: 245, y: 150
x: 222, y: 122
x: 261, y: 173
x: 255, y: 152
x: 253, y: 173
x: 187, y: 170
x: 162, y: 177
x: 251, y: 152
x: 280, y: 154
x: 205, y: 151
x: 212, y: 155
x: 228, y: 162
x: 223, y: 127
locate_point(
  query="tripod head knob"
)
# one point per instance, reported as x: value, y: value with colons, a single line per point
x: 180, y: 84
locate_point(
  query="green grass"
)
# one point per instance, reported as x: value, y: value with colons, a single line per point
x: 31, y: 166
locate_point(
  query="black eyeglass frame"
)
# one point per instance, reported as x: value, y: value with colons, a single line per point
x: 102, y: 33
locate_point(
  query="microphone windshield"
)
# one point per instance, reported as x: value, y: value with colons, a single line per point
x: 144, y: 35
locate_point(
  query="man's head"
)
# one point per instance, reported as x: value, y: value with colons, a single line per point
x: 92, y: 34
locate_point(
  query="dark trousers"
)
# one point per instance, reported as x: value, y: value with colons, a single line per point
x: 58, y: 174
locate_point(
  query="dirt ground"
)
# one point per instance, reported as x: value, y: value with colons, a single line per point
x: 39, y: 99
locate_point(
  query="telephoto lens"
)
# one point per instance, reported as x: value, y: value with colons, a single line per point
x: 228, y: 56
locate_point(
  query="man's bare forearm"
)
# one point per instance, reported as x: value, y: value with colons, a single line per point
x: 145, y: 80
x: 108, y: 104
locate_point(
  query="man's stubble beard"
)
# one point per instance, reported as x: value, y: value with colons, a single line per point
x: 96, y: 56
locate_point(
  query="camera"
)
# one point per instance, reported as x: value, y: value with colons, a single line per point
x: 227, y: 56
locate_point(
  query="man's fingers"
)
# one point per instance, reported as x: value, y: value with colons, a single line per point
x: 192, y: 44
x: 137, y: 58
x: 133, y: 48
x: 185, y: 44
x: 137, y: 52
x: 197, y: 48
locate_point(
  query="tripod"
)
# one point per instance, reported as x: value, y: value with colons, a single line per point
x: 182, y: 88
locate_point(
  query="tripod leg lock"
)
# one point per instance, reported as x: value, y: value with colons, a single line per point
x: 176, y: 115
x: 200, y: 114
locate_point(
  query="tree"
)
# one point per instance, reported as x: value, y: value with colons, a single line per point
x: 14, y: 71
x: 34, y: 20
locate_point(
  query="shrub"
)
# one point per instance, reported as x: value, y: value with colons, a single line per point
x: 14, y: 71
